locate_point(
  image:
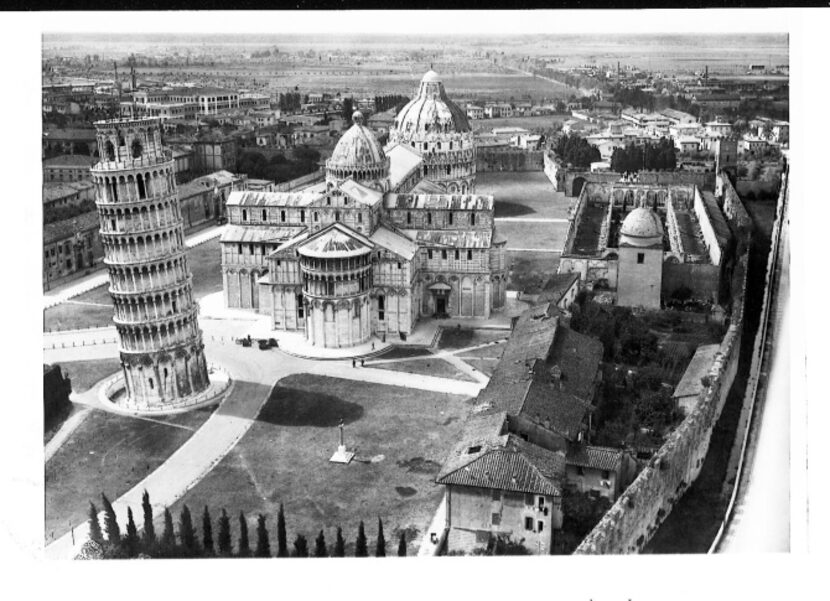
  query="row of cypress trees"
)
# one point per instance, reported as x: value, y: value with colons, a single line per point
x: 184, y: 542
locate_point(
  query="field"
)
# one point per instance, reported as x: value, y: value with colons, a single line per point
x: 523, y: 194
x: 434, y: 366
x: 94, y: 308
x: 85, y: 374
x: 400, y: 437
x: 452, y: 339
x: 109, y: 453
x: 540, y: 122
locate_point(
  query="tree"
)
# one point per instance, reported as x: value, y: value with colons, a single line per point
x: 402, y: 545
x: 320, y: 549
x: 282, y: 543
x: 207, y: 532
x: 263, y: 545
x: 361, y: 546
x: 94, y: 525
x: 168, y: 539
x: 224, y: 539
x: 149, y: 535
x: 300, y: 546
x: 131, y: 539
x: 187, y: 536
x: 111, y: 528
x: 380, y: 547
x: 348, y: 109
x: 244, y: 547
x: 582, y: 512
x: 339, y: 544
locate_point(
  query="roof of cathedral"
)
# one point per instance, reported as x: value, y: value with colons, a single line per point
x: 394, y: 241
x: 459, y: 202
x: 336, y: 241
x: 641, y: 227
x: 247, y: 198
x: 452, y: 238
x: 358, y: 146
x: 254, y: 233
x: 360, y: 193
x: 431, y: 111
x: 426, y: 186
x: 403, y: 161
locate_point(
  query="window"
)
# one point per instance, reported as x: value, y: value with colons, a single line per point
x: 282, y: 216
x: 474, y: 449
x: 469, y: 255
x: 606, y: 474
x: 381, y: 306
x: 316, y: 216
x: 429, y: 254
x: 250, y: 249
x: 328, y: 200
x: 472, y: 218
x: 408, y: 217
x: 400, y: 265
x: 456, y: 254
x: 641, y: 257
x: 496, y: 495
x: 151, y: 383
x: 302, y: 216
x: 528, y: 499
x: 244, y: 215
x: 495, y: 519
x: 444, y: 254
x: 279, y: 262
x: 300, y: 306
x: 239, y: 249
x: 360, y: 217
x: 337, y: 215
x: 540, y: 525
x: 450, y: 217
x: 580, y: 470
x: 529, y: 524
x: 429, y: 218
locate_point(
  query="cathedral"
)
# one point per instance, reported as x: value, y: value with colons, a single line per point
x: 391, y: 235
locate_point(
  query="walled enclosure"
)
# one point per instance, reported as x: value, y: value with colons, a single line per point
x: 638, y: 512
x: 509, y: 159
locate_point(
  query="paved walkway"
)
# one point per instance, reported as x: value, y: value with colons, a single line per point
x: 254, y: 373
x: 530, y: 220
x: 63, y: 293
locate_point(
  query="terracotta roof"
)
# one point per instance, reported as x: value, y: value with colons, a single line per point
x: 70, y: 160
x: 557, y: 285
x: 452, y: 238
x: 394, y: 241
x: 254, y: 233
x: 361, y: 193
x: 598, y: 458
x: 518, y: 467
x: 61, y: 230
x: 271, y: 199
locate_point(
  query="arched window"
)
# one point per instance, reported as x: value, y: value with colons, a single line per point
x: 472, y: 218
x: 429, y: 218
x: 142, y: 191
x: 450, y: 217
x: 109, y: 150
x: 136, y: 148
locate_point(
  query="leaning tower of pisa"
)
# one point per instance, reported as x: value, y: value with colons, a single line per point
x: 160, y: 343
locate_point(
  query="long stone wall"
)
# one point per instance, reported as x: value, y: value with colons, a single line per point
x: 639, y: 511
x: 508, y: 159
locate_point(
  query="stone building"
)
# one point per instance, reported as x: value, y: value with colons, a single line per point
x: 640, y: 252
x: 160, y: 343
x: 70, y: 246
x: 374, y: 246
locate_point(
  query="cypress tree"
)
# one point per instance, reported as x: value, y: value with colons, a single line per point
x: 168, y: 539
x: 224, y: 534
x: 244, y: 547
x: 402, y: 545
x: 339, y: 544
x: 320, y: 549
x: 361, y: 547
x: 300, y: 546
x: 131, y: 539
x: 282, y: 543
x: 111, y: 527
x: 207, y: 532
x: 263, y: 546
x: 149, y: 528
x: 380, y: 547
x: 187, y: 536
x: 94, y: 525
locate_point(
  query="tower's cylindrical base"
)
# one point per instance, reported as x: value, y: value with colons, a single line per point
x: 156, y: 379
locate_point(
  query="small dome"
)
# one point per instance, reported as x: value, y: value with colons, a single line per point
x: 358, y: 146
x: 430, y: 76
x: 641, y: 227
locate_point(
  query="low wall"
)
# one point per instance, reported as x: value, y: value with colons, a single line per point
x: 508, y: 159
x: 301, y: 182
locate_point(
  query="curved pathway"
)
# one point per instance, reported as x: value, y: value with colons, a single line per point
x: 254, y: 374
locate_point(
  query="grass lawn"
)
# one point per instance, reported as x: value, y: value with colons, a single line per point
x: 534, y: 236
x: 484, y: 359
x: 85, y: 374
x: 523, y: 194
x: 109, y: 453
x: 540, y: 122
x: 530, y: 270
x: 426, y: 367
x: 400, y: 436
x: 454, y: 338
x: 204, y: 262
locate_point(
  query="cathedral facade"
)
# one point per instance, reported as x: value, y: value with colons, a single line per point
x: 391, y: 235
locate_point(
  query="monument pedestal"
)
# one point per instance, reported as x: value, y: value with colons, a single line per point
x: 341, y: 455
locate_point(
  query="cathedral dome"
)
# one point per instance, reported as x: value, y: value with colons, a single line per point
x: 641, y: 227
x: 431, y: 111
x: 357, y: 147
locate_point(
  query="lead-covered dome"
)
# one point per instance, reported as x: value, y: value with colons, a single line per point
x: 358, y: 146
x: 641, y: 227
x: 431, y: 111
x: 359, y: 156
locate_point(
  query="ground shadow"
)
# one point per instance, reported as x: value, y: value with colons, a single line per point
x: 512, y: 209
x: 296, y: 407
